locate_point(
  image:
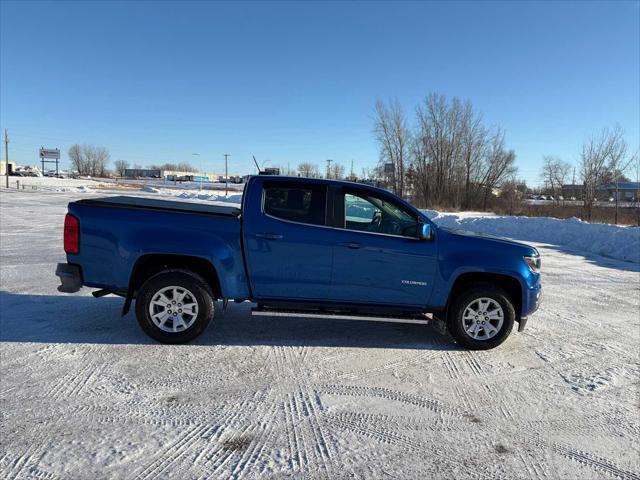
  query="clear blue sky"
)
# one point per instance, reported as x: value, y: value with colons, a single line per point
x: 291, y: 82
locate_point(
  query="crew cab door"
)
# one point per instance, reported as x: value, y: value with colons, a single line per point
x: 287, y: 244
x: 378, y: 257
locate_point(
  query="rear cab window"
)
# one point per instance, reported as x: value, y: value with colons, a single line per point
x: 296, y: 202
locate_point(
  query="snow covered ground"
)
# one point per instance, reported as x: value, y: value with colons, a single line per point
x: 85, y: 394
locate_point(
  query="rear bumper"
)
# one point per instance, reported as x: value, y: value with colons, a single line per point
x: 70, y: 278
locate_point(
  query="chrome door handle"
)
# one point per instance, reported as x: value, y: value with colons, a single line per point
x: 269, y: 236
x: 353, y: 245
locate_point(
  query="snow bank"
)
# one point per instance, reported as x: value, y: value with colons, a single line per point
x: 80, y: 189
x: 613, y: 241
x: 210, y: 196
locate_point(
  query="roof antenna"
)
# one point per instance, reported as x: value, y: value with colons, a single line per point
x: 256, y: 162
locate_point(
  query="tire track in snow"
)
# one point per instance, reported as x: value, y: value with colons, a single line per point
x: 310, y: 428
x: 308, y: 443
x: 310, y: 420
x: 212, y: 459
x: 535, y: 469
x: 595, y: 462
x: 382, y: 421
x: 452, y: 367
x: 473, y: 364
x: 418, y: 359
x: 384, y: 435
x: 388, y: 394
x: 258, y: 444
x: 174, y: 452
x: 298, y: 455
x: 26, y: 465
x: 73, y: 383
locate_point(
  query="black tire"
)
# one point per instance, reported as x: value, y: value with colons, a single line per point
x: 195, y: 286
x: 456, y: 323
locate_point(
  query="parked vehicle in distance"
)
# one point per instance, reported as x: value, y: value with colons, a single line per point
x: 298, y: 247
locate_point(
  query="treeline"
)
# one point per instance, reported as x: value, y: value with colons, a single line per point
x: 604, y: 159
x: 92, y: 160
x: 89, y: 160
x: 443, y: 155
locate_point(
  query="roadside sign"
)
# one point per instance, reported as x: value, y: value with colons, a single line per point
x: 50, y: 153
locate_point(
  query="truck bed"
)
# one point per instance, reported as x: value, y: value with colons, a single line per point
x: 164, y: 205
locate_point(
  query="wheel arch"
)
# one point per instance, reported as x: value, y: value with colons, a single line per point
x: 151, y: 264
x: 510, y: 284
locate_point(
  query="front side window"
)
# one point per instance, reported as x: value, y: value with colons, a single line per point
x: 298, y: 204
x: 368, y: 213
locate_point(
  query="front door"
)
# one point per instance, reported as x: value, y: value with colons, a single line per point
x: 378, y: 258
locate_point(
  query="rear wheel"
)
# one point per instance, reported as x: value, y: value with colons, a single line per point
x: 174, y: 306
x: 481, y: 317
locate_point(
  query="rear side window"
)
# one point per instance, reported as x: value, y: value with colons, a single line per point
x: 298, y: 204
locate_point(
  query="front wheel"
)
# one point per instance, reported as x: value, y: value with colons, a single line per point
x: 481, y: 317
x: 174, y: 306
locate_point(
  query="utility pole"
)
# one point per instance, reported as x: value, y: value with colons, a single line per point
x: 226, y: 175
x: 329, y: 168
x: 6, y: 156
x: 351, y: 176
x: 200, y: 166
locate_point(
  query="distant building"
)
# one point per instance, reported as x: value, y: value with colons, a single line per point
x: 143, y: 173
x: 3, y: 167
x: 572, y: 190
x: 627, y: 191
x: 184, y: 176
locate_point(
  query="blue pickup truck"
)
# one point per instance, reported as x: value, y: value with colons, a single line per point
x: 298, y: 247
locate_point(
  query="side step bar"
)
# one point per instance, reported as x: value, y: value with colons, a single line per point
x: 338, y: 316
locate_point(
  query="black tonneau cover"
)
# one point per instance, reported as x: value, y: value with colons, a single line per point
x: 167, y: 205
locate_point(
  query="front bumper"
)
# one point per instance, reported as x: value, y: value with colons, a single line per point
x: 533, y: 300
x: 70, y: 277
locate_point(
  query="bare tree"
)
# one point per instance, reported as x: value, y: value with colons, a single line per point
x: 474, y: 139
x: 498, y: 164
x: 336, y: 171
x: 619, y: 161
x: 76, y: 158
x: 393, y: 136
x: 121, y: 166
x: 98, y: 159
x: 448, y: 158
x: 510, y: 194
x: 554, y: 175
x: 89, y: 159
x: 601, y: 155
x: 286, y: 170
x: 184, y: 167
x: 309, y: 170
x: 440, y: 133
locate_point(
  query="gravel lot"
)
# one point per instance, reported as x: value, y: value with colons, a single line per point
x: 85, y: 394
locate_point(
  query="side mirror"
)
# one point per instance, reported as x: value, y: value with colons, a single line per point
x: 424, y: 231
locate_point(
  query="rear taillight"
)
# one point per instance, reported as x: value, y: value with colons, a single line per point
x: 71, y: 234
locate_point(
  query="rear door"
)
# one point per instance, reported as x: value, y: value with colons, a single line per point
x: 288, y: 245
x: 378, y: 259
